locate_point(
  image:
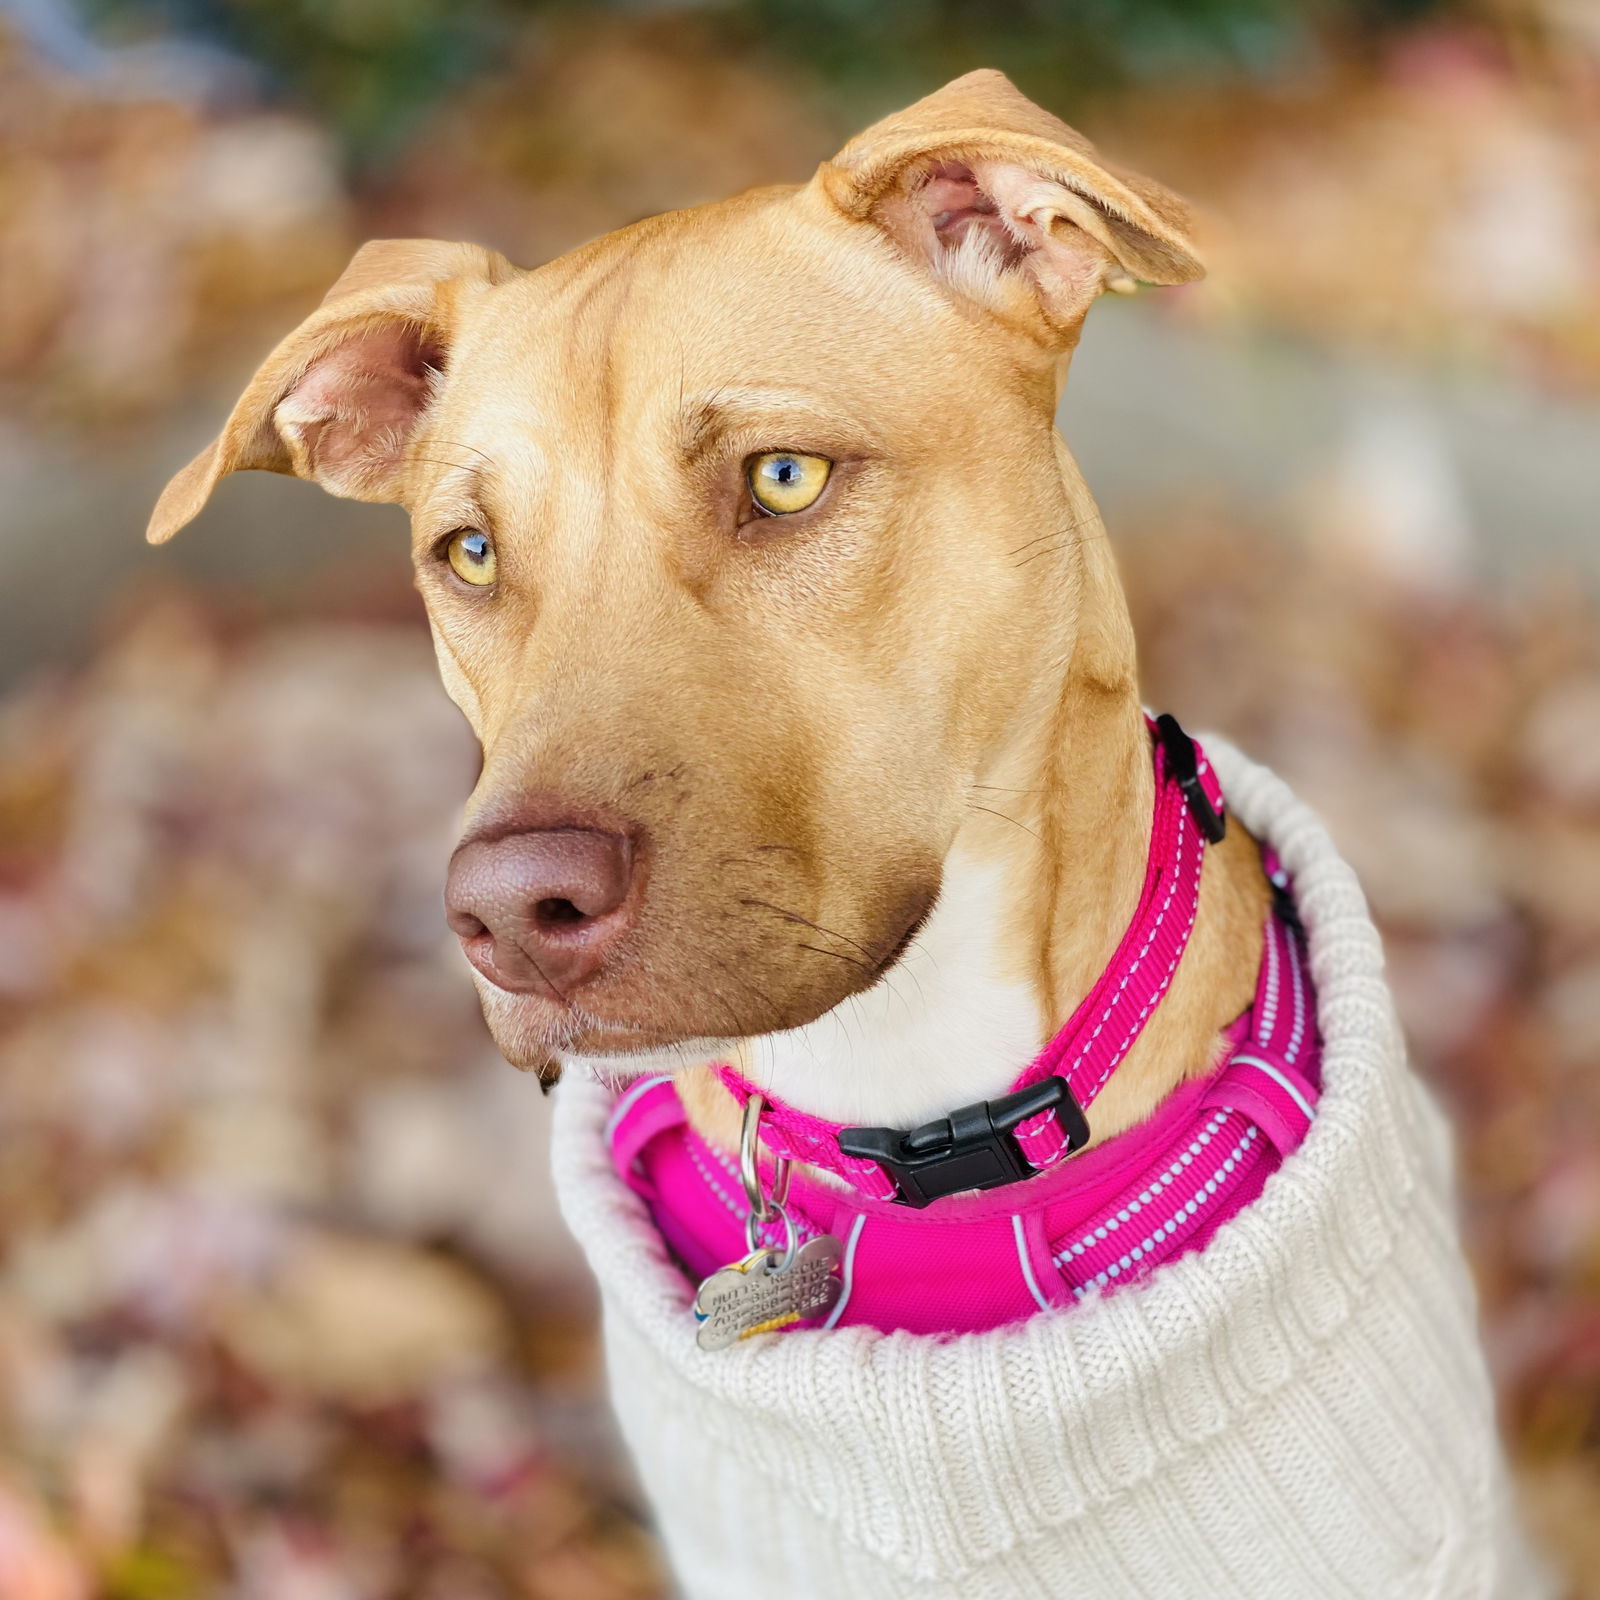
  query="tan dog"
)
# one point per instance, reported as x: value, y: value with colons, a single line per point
x: 812, y: 736
x: 804, y: 680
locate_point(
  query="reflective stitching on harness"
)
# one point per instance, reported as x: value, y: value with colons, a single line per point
x: 1170, y: 1226
x: 1027, y: 1265
x: 1179, y: 1190
x: 1133, y: 967
x: 627, y: 1102
x: 1297, y: 980
x: 1145, y: 1196
x: 1269, y: 998
x: 1281, y: 1081
x: 711, y: 1181
x: 849, y: 1271
x: 1155, y: 999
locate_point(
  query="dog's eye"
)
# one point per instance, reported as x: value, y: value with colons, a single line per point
x: 471, y: 557
x: 782, y: 481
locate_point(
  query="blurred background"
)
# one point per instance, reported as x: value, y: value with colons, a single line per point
x: 285, y: 1311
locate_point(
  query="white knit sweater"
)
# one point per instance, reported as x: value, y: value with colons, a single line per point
x: 1301, y: 1410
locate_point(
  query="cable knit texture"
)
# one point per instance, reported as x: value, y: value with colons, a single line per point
x: 1300, y: 1410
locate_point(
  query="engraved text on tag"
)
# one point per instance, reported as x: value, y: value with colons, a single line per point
x: 761, y: 1293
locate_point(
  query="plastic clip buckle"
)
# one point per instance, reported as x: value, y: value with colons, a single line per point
x: 973, y: 1148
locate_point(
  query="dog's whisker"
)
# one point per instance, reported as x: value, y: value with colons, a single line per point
x: 461, y: 444
x: 544, y: 977
x: 838, y: 955
x: 1057, y: 549
x: 1049, y: 533
x: 815, y: 927
x: 903, y: 968
x: 434, y: 461
x: 974, y: 806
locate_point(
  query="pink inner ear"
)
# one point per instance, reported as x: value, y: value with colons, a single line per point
x: 354, y: 406
x: 957, y: 206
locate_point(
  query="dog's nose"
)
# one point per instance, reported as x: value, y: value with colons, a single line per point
x: 537, y: 911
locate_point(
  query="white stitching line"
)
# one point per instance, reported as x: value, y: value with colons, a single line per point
x: 711, y: 1180
x: 627, y: 1102
x: 1295, y: 976
x: 1170, y: 1226
x: 1039, y: 1129
x: 1112, y: 1223
x: 781, y: 1141
x: 1161, y: 988
x: 1027, y: 1265
x: 1282, y: 1082
x: 1133, y: 966
x: 849, y: 1271
x: 726, y: 1163
x: 1269, y: 990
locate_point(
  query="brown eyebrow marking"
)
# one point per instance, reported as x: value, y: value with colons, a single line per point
x: 459, y: 495
x: 705, y: 420
x: 701, y: 424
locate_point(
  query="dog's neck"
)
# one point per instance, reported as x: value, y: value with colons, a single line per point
x: 1038, y: 887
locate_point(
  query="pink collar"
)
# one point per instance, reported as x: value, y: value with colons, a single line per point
x: 976, y: 1260
x: 1041, y: 1121
x: 1096, y: 1224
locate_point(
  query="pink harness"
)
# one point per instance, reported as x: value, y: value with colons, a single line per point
x: 925, y: 1254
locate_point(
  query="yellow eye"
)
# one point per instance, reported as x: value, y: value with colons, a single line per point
x: 782, y: 481
x: 471, y: 557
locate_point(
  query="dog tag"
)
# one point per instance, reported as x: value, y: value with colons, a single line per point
x: 763, y: 1293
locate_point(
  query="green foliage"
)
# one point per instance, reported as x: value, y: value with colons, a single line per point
x: 1075, y: 48
x: 367, y: 68
x: 370, y: 67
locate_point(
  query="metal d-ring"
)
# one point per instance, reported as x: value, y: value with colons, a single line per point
x: 764, y: 1208
x: 778, y: 1260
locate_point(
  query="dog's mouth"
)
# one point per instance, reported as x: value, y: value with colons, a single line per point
x: 638, y: 1011
x: 908, y: 938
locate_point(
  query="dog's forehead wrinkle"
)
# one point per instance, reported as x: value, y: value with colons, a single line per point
x: 788, y: 417
x: 579, y: 343
x: 456, y: 493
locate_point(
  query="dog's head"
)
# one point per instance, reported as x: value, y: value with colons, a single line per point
x: 739, y: 532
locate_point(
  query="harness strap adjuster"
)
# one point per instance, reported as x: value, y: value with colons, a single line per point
x: 1184, y: 766
x: 973, y: 1148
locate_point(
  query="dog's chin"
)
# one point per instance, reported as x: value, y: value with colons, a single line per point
x: 531, y: 1031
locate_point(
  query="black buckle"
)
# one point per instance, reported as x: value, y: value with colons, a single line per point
x: 972, y: 1148
x: 1185, y: 769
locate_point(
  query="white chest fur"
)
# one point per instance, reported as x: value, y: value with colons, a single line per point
x: 948, y: 1024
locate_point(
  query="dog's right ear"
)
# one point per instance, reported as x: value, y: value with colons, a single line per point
x: 338, y: 400
x: 1016, y: 214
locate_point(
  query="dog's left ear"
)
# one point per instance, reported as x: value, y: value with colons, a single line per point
x: 1010, y: 208
x: 339, y: 399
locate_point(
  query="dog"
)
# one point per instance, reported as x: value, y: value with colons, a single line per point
x: 816, y: 784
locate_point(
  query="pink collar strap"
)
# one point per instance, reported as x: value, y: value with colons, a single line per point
x: 1090, y: 1226
x: 1041, y: 1121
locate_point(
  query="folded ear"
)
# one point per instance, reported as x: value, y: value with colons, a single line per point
x: 338, y: 400
x: 1009, y: 207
